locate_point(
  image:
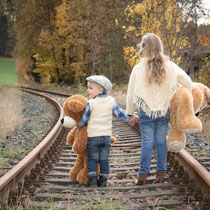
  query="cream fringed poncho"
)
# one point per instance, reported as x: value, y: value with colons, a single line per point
x: 154, y: 99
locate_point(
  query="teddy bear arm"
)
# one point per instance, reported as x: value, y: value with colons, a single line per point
x: 71, y: 135
x: 80, y: 141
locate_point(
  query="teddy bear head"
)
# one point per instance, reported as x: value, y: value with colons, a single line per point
x: 73, y: 108
x: 201, y: 96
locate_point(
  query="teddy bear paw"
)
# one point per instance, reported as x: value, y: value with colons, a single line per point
x: 192, y: 126
x: 175, y: 146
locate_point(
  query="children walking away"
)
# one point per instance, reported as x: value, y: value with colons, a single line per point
x: 98, y: 117
x: 152, y: 84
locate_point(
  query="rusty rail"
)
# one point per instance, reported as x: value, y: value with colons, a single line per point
x: 45, y: 91
x: 195, y: 170
x: 16, y: 176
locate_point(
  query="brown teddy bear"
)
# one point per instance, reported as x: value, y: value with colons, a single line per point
x: 74, y: 108
x: 183, y: 108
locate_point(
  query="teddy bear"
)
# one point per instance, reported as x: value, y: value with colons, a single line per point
x: 183, y: 109
x: 73, y: 108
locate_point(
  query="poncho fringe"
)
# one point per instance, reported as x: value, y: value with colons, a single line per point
x: 140, y: 102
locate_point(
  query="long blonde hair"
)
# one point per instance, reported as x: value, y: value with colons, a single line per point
x: 152, y: 47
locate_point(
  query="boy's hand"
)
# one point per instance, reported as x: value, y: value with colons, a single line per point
x: 78, y: 126
x: 133, y: 120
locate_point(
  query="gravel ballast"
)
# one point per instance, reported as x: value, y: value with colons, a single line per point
x: 39, y: 117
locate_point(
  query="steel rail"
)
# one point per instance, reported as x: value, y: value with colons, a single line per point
x: 195, y: 170
x: 16, y: 175
x: 45, y: 91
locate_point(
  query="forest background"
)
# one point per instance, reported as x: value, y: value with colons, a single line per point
x: 64, y: 41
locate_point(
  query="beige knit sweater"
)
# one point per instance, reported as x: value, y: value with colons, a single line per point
x: 100, y: 122
x: 154, y: 99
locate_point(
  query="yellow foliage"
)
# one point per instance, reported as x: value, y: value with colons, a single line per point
x: 26, y: 77
x: 131, y: 55
x: 163, y: 18
x: 47, y: 69
x: 203, y: 40
x: 130, y: 28
x: 61, y: 23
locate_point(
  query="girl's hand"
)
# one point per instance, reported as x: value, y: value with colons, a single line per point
x: 133, y: 120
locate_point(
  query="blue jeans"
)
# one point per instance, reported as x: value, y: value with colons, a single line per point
x: 98, y: 152
x: 153, y: 132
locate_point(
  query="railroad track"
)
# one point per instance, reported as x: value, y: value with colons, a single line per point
x: 40, y: 181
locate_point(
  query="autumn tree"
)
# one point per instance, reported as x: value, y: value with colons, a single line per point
x: 162, y: 18
x: 92, y: 32
x: 106, y: 39
x: 32, y: 18
x: 166, y: 18
x: 86, y: 41
x: 193, y: 54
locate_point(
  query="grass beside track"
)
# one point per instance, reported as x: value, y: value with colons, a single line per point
x: 7, y: 71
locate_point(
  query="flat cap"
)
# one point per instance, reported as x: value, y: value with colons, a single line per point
x: 101, y: 80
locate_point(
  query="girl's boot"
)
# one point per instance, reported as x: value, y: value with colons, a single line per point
x: 142, y: 179
x: 159, y: 177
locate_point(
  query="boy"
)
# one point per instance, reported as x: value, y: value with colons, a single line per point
x: 98, y: 117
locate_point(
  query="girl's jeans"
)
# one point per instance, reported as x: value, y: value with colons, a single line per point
x: 153, y: 132
x: 98, y: 152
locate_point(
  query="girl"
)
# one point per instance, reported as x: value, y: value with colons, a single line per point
x: 153, y: 82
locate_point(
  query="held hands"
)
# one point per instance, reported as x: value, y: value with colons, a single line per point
x: 134, y: 119
x: 78, y: 126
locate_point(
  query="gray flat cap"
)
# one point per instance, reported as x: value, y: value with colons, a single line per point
x: 101, y: 80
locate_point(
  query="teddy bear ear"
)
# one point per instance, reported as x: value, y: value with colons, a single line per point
x: 76, y: 106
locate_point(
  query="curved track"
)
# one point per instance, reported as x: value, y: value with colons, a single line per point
x: 43, y: 177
